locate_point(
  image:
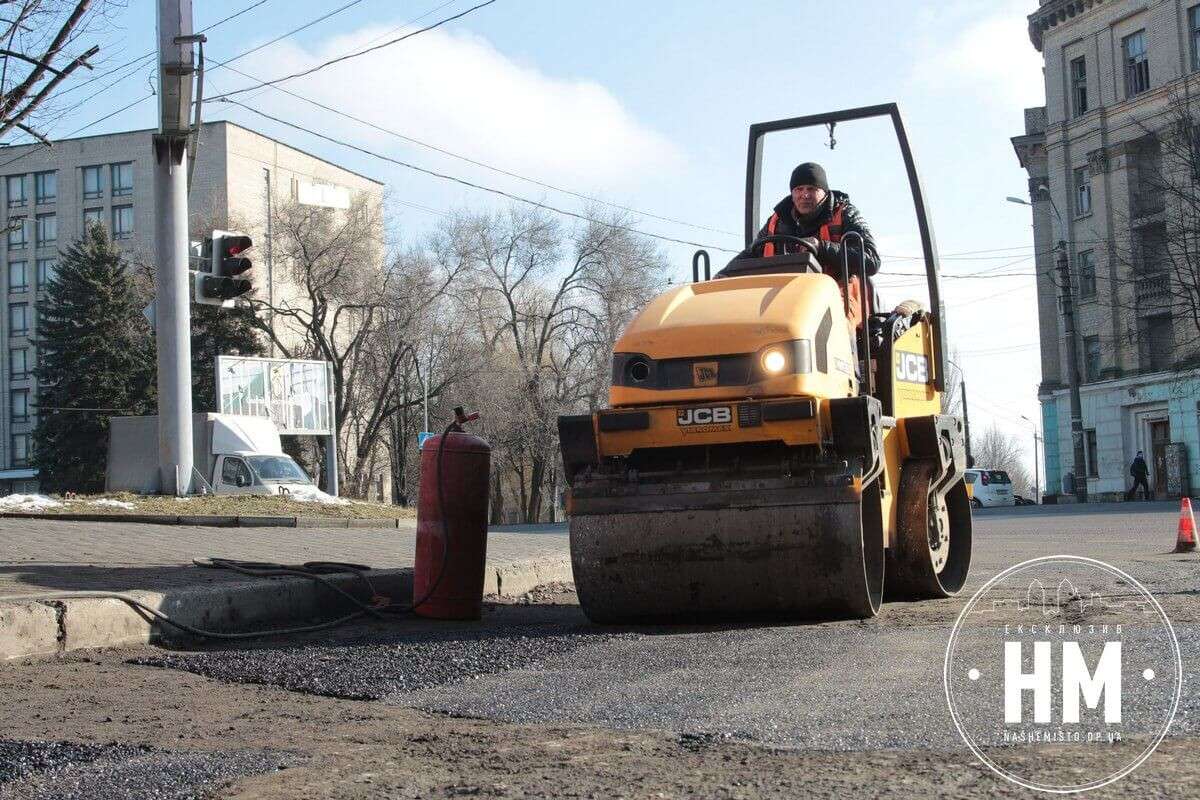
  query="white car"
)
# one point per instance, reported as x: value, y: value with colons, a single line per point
x: 989, y: 487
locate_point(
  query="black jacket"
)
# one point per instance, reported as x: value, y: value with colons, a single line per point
x: 1138, y: 468
x: 829, y: 254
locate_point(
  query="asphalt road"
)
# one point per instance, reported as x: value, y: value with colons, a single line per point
x: 704, y: 709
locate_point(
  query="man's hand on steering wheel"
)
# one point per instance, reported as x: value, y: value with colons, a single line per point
x: 809, y: 243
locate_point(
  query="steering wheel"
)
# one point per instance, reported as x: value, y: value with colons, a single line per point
x: 756, y: 247
x: 756, y: 263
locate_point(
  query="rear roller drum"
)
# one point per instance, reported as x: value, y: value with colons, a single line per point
x: 933, y: 537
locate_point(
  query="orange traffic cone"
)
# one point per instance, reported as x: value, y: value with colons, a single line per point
x: 1187, y: 528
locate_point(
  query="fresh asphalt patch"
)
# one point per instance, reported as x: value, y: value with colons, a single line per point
x: 837, y: 686
x: 388, y: 664
x: 32, y: 770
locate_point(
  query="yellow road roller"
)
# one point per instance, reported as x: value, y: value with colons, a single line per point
x: 764, y: 455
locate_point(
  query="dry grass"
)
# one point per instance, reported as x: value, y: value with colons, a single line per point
x: 228, y: 505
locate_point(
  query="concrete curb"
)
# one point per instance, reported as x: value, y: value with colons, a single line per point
x: 220, y: 521
x: 41, y: 627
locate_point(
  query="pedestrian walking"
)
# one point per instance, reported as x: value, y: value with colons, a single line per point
x: 1139, y: 471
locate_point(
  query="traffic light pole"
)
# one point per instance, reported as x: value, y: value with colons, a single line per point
x: 172, y: 308
x: 173, y: 317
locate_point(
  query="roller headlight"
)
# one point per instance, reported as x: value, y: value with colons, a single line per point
x: 774, y: 360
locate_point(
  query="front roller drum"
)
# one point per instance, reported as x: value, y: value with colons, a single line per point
x: 738, y: 561
x: 932, y: 554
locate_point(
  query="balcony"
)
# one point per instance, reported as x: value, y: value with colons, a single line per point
x: 1153, y: 291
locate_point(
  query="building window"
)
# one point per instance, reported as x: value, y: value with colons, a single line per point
x: 93, y: 188
x: 18, y: 277
x: 17, y: 196
x: 1079, y: 98
x: 1137, y: 65
x: 1087, y: 275
x: 1093, y: 460
x: 18, y: 363
x: 21, y: 449
x: 122, y: 222
x: 1083, y: 191
x: 45, y: 187
x: 18, y: 233
x: 19, y: 405
x: 1091, y: 358
x: 47, y: 229
x: 122, y: 180
x: 1194, y: 35
x: 18, y: 319
x: 93, y: 216
x: 47, y: 268
x: 1157, y: 343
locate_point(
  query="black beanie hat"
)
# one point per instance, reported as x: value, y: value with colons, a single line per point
x: 809, y: 174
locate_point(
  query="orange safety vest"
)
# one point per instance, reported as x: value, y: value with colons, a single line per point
x: 831, y: 231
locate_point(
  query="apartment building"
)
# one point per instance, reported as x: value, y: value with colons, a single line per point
x: 1121, y: 75
x: 51, y: 193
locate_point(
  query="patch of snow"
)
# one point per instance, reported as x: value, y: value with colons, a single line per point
x: 311, y: 494
x: 27, y: 502
x: 106, y: 501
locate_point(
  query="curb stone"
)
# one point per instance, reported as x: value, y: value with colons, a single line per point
x: 55, y: 626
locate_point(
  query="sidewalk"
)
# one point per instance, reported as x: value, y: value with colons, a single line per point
x: 153, y: 564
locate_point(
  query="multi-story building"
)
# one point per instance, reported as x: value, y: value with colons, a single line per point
x: 50, y: 194
x: 1121, y: 77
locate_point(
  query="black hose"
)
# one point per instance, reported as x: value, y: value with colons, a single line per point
x: 314, y: 570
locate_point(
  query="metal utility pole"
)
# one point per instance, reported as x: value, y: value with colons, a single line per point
x: 1037, y: 469
x: 1068, y: 311
x: 172, y: 309
x: 962, y: 385
x: 270, y: 262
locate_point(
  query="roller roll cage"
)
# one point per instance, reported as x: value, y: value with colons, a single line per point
x: 928, y: 246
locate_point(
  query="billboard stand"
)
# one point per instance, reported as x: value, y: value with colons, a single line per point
x: 295, y: 394
x: 331, y: 459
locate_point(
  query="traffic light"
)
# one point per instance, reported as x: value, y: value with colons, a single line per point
x: 223, y: 265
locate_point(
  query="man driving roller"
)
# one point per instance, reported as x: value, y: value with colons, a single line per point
x: 822, y: 218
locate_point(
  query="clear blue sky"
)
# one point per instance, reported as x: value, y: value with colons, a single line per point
x: 647, y: 105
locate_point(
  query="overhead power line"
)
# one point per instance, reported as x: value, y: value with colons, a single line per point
x: 283, y: 36
x: 362, y: 52
x: 481, y: 187
x: 34, y: 149
x: 475, y: 162
x: 152, y: 53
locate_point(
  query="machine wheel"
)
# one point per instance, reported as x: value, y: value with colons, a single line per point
x: 975, y: 503
x: 933, y: 537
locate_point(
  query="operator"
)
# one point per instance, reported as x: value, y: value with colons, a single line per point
x: 821, y: 217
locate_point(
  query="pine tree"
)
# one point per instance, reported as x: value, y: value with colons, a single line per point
x: 96, y: 355
x: 219, y: 331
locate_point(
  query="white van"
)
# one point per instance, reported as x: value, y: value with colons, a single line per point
x: 989, y: 487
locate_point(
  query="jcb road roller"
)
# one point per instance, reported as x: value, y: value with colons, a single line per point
x: 772, y: 448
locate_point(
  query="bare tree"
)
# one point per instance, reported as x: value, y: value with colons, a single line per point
x: 547, y: 305
x: 952, y: 396
x: 39, y: 42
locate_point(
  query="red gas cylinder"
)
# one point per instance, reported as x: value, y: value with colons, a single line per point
x: 453, y: 590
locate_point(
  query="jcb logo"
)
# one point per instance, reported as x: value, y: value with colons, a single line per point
x: 704, y: 373
x: 1077, y: 680
x: 716, y: 415
x: 912, y: 367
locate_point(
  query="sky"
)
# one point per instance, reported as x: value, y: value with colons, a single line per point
x: 647, y: 105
